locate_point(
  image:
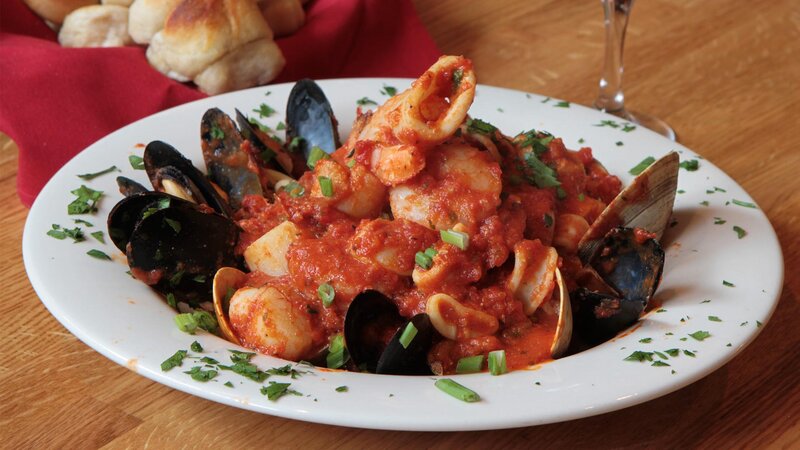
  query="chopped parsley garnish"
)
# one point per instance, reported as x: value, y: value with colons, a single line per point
x: 659, y: 364
x: 538, y: 140
x: 277, y: 390
x: 706, y: 301
x: 639, y: 168
x: 718, y: 221
x: 619, y: 143
x: 280, y: 126
x: 646, y: 340
x: 99, y: 236
x: 174, y: 360
x: 238, y: 356
x: 660, y: 355
x: 661, y: 310
x: 294, y: 144
x: 76, y: 234
x: 689, y: 353
x: 90, y: 176
x: 704, y: 203
x: 81, y: 221
x: 196, y: 347
x: 561, y: 104
x: 389, y: 91
x: 229, y: 384
x: 286, y: 371
x: 264, y: 110
x: 626, y: 127
x: 546, y: 99
x: 86, y: 201
x: 342, y: 389
x: 714, y: 319
x: 700, y: 335
x: 216, y: 132
x: 728, y: 283
x: 542, y: 175
x: 607, y: 123
x: 745, y: 204
x: 458, y: 74
x: 207, y: 359
x: 198, y: 374
x: 256, y: 123
x: 718, y: 189
x: 456, y: 390
x: 325, y: 186
x: 247, y: 370
x: 581, y: 141
x: 94, y: 253
x: 326, y: 294
x: 478, y: 126
x: 136, y: 162
x: 364, y: 101
x: 758, y: 323
x: 690, y: 165
x: 672, y: 352
x: 640, y: 356
x: 190, y: 322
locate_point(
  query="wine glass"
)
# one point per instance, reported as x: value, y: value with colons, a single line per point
x: 611, y: 99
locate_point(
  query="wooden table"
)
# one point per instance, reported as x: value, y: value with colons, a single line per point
x: 725, y: 75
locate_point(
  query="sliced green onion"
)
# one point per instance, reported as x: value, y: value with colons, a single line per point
x: 497, y: 362
x: 408, y: 335
x: 337, y: 353
x: 423, y: 260
x: 745, y: 204
x: 431, y: 252
x: 315, y: 155
x: 457, y: 238
x: 456, y: 390
x: 639, y: 168
x: 470, y: 364
x: 186, y: 323
x: 739, y: 231
x: 326, y: 294
x: 326, y: 186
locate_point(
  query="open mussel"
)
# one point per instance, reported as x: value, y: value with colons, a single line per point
x: 373, y: 329
x: 309, y: 116
x: 128, y: 187
x: 631, y: 262
x: 227, y: 162
x: 169, y: 171
x: 176, y: 247
x: 127, y: 212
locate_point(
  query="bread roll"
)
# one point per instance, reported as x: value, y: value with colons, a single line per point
x: 96, y: 26
x: 250, y: 65
x: 126, y: 3
x: 283, y: 16
x: 56, y: 10
x: 147, y: 17
x: 199, y: 32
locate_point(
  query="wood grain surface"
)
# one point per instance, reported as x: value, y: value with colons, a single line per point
x: 725, y: 74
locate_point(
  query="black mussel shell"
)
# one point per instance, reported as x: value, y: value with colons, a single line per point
x: 126, y: 214
x: 632, y: 267
x: 249, y: 133
x: 309, y: 116
x: 227, y: 163
x: 178, y: 249
x: 128, y: 187
x: 162, y: 160
x: 411, y: 360
x: 371, y: 318
x: 599, y: 317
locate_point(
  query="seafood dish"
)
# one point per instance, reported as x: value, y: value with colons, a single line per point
x: 425, y: 242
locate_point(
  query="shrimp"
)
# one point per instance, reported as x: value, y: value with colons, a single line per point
x: 460, y: 184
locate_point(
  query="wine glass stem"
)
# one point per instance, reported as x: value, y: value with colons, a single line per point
x: 611, y: 98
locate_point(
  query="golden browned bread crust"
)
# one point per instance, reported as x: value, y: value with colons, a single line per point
x: 200, y: 32
x: 56, y: 10
x: 147, y: 17
x: 252, y: 64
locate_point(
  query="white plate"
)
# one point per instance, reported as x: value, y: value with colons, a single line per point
x: 125, y: 321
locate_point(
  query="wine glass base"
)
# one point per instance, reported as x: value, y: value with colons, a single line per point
x: 653, y: 124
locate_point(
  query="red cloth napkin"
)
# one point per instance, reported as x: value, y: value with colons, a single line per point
x: 56, y: 101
